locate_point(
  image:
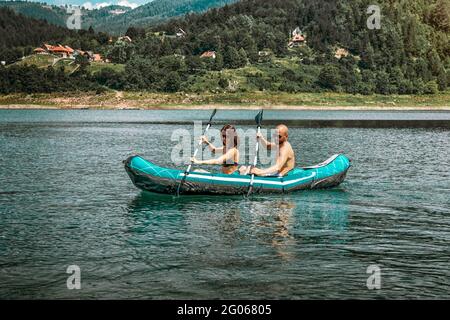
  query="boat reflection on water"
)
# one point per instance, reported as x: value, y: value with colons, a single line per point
x: 289, y: 222
x: 274, y: 225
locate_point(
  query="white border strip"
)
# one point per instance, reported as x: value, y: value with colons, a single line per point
x: 259, y: 181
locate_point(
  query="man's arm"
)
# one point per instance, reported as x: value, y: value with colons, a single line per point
x: 281, y: 161
x: 264, y: 142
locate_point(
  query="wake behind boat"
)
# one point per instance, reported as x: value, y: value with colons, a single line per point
x: 147, y: 176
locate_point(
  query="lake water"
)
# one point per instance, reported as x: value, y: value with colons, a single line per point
x: 65, y: 199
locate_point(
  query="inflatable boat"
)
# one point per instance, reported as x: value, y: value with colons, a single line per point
x: 147, y: 176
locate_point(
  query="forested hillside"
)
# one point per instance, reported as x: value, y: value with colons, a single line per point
x: 52, y: 14
x: 113, y: 18
x: 411, y: 48
x: 156, y: 11
x: 19, y: 35
x: 249, y: 44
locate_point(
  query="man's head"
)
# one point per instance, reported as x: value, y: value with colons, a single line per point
x: 283, y: 133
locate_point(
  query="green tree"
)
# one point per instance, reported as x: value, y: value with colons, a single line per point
x: 172, y: 82
x: 243, y: 58
x: 431, y: 87
x: 223, y: 82
x: 82, y: 61
x: 218, y: 62
x: 232, y: 59
x: 329, y: 77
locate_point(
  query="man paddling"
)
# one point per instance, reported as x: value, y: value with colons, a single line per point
x: 285, y: 157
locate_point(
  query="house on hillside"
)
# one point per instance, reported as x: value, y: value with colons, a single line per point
x: 181, y: 33
x: 39, y: 51
x: 124, y: 39
x: 58, y: 50
x: 96, y: 57
x: 341, y: 53
x: 208, y: 54
x: 91, y: 56
x: 265, y: 55
x: 297, y: 38
x: 67, y: 52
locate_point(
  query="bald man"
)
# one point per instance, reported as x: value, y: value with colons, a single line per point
x: 285, y: 156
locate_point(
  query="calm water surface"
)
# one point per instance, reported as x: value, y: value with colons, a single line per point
x: 65, y: 199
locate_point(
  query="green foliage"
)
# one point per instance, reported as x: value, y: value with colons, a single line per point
x: 121, y: 52
x: 155, y: 12
x: 172, y: 82
x: 409, y: 54
x: 431, y: 87
x: 31, y: 79
x: 223, y: 83
x: 329, y: 77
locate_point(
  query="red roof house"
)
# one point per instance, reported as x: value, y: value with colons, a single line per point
x: 208, y: 54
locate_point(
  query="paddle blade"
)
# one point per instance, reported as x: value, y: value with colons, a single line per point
x: 259, y: 117
x: 212, y: 115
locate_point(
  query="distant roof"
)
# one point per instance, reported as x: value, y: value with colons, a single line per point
x: 69, y: 49
x: 298, y: 38
x: 58, y: 48
x: 97, y: 57
x: 127, y: 38
x: 208, y: 54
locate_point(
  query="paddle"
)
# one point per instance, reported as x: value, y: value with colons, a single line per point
x: 258, y: 120
x: 195, y: 152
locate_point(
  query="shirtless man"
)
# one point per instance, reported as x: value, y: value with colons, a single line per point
x: 285, y: 157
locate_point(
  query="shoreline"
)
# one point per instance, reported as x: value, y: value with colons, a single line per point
x: 125, y: 100
x: 229, y: 107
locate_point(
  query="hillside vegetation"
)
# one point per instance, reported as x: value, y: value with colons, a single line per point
x: 409, y: 54
x: 115, y: 19
x: 20, y: 34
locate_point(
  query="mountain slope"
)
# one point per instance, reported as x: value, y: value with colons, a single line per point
x: 58, y: 15
x: 107, y: 18
x: 52, y: 14
x: 410, y: 53
x: 20, y: 34
x: 156, y: 12
x: 17, y: 30
x: 412, y: 29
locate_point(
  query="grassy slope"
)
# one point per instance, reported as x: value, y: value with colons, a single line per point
x: 205, y: 90
x: 40, y: 60
x: 45, y: 60
x: 147, y: 100
x: 97, y: 66
x: 239, y: 79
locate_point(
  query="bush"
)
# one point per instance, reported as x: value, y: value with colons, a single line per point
x: 260, y: 83
x: 223, y: 83
x: 172, y: 82
x: 288, y: 87
x: 431, y: 87
x: 329, y: 77
x: 289, y: 75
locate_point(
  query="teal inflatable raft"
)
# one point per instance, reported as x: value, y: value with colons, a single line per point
x: 147, y: 176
